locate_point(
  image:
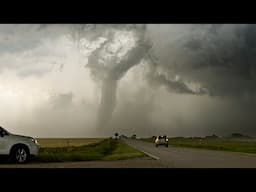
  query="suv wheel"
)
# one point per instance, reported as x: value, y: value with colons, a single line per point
x: 156, y: 145
x: 20, y: 154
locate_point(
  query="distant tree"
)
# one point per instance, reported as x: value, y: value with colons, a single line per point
x: 212, y: 137
x: 237, y: 135
x: 116, y: 135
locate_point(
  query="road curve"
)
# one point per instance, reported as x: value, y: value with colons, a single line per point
x: 179, y: 157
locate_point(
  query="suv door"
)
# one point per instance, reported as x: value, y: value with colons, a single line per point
x: 3, y: 142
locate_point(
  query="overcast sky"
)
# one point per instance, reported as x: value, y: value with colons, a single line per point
x: 94, y: 80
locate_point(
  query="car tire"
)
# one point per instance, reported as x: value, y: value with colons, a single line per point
x: 20, y: 154
x: 166, y: 145
x: 156, y: 145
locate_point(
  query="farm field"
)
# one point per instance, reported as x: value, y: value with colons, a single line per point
x: 66, y: 142
x: 66, y: 150
x: 222, y: 144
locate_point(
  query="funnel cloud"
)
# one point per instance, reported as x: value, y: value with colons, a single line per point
x: 92, y: 80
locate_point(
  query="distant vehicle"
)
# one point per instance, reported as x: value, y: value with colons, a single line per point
x: 161, y: 140
x: 133, y: 136
x: 18, y: 148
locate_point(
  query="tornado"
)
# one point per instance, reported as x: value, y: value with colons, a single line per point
x: 110, y: 72
x: 107, y: 103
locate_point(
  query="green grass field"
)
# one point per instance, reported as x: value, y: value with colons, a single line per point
x: 107, y: 149
x: 123, y: 151
x: 66, y: 142
x: 248, y: 146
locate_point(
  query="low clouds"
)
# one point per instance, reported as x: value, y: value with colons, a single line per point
x: 219, y: 57
x: 62, y: 100
x: 192, y: 79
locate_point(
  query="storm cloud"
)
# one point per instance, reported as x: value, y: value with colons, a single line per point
x: 176, y: 79
x: 220, y: 58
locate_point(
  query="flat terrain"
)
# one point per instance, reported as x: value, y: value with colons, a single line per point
x: 104, y: 153
x: 66, y: 142
x: 220, y: 144
x: 106, y: 149
x: 159, y: 157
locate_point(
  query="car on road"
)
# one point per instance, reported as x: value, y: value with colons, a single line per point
x: 17, y: 148
x: 161, y: 140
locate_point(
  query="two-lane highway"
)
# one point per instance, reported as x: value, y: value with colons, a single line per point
x: 179, y: 157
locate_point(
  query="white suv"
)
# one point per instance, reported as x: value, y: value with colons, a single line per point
x: 17, y: 147
x: 161, y: 140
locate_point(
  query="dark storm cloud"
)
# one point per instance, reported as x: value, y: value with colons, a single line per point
x: 191, y: 62
x: 108, y: 73
x: 220, y: 57
x: 174, y: 86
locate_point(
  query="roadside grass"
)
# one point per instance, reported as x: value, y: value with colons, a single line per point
x: 67, y: 142
x: 221, y: 144
x: 123, y: 151
x: 108, y: 149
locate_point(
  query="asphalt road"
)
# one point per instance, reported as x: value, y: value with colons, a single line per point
x: 179, y: 157
x: 161, y: 157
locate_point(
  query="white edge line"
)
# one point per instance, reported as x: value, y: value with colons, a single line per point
x: 153, y: 156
